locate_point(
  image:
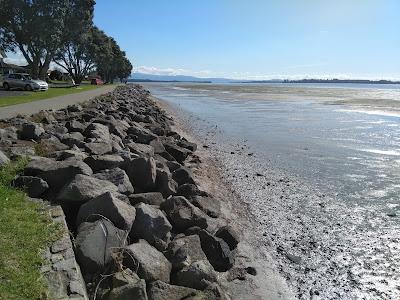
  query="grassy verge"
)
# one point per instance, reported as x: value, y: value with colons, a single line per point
x: 25, y: 230
x: 50, y: 93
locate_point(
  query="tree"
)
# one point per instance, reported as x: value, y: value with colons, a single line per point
x: 55, y: 75
x: 111, y: 61
x: 76, y: 56
x: 39, y: 28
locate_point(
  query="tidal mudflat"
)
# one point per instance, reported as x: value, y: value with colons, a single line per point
x: 319, y: 167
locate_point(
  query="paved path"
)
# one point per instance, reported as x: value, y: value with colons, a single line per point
x: 52, y: 103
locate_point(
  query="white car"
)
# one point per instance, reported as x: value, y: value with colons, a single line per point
x: 23, y: 81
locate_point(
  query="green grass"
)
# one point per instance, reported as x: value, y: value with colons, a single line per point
x: 50, y: 93
x: 25, y: 230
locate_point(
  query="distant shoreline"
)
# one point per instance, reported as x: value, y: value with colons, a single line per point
x: 286, y: 81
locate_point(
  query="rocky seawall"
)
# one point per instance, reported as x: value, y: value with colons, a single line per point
x: 141, y: 225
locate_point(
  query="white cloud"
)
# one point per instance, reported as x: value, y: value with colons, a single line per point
x: 15, y: 58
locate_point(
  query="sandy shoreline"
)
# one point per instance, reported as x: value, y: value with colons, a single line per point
x: 268, y: 283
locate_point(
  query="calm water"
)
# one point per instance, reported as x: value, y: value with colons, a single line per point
x: 344, y: 140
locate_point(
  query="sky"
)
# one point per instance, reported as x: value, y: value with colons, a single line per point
x: 257, y: 39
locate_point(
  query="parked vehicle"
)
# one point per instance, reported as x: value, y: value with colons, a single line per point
x: 96, y: 81
x: 23, y: 81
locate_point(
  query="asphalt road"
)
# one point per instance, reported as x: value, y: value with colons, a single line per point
x: 52, y: 103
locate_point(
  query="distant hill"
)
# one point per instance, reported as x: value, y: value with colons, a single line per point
x: 142, y: 77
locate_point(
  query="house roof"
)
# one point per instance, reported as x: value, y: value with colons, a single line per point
x: 12, y: 66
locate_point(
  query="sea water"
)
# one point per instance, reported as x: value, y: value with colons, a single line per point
x: 342, y: 139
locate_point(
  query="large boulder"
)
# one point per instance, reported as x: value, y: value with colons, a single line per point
x: 141, y: 149
x: 75, y: 126
x: 184, y: 250
x: 164, y: 182
x: 118, y: 177
x: 95, y: 243
x: 207, y: 204
x: 140, y: 134
x: 151, y: 264
x: 183, y: 175
x: 142, y: 173
x: 102, y: 162
x: 152, y: 225
x: 196, y: 275
x: 152, y: 198
x: 182, y: 214
x: 3, y: 159
x: 217, y: 251
x: 84, y: 188
x: 56, y: 173
x: 34, y: 186
x: 179, y: 153
x: 98, y: 148
x: 189, y: 190
x: 31, y: 131
x: 109, y: 206
x: 73, y: 139
x: 159, y: 290
x: 126, y: 285
x: 97, y: 132
x: 229, y: 235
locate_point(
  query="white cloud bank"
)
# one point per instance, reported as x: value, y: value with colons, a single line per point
x: 259, y: 76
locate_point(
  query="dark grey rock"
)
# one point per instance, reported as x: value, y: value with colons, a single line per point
x: 151, y: 264
x: 159, y: 290
x: 179, y: 153
x: 3, y: 159
x: 189, y: 190
x: 207, y: 204
x: 102, y: 162
x: 183, y: 175
x: 164, y: 182
x: 74, y: 138
x: 56, y: 173
x: 182, y: 214
x: 126, y: 285
x: 34, y: 186
x: 31, y: 131
x: 98, y: 148
x: 142, y: 173
x: 75, y: 126
x: 118, y: 177
x: 184, y: 250
x: 97, y: 132
x: 84, y: 188
x: 152, y: 198
x: 195, y: 275
x: 140, y: 134
x: 95, y: 243
x: 21, y: 151
x: 217, y: 251
x: 107, y: 205
x: 229, y: 235
x: 151, y: 225
x: 141, y: 149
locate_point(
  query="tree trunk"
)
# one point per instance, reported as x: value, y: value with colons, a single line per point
x: 45, y: 67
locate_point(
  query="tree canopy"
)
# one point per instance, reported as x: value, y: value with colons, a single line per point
x: 61, y: 31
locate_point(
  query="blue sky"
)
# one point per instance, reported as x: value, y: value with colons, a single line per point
x: 257, y: 39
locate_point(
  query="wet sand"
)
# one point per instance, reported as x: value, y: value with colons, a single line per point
x: 301, y: 231
x: 268, y: 283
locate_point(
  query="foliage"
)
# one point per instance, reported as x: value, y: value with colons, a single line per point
x: 76, y: 56
x: 111, y: 60
x: 61, y: 31
x: 56, y: 75
x: 25, y: 230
